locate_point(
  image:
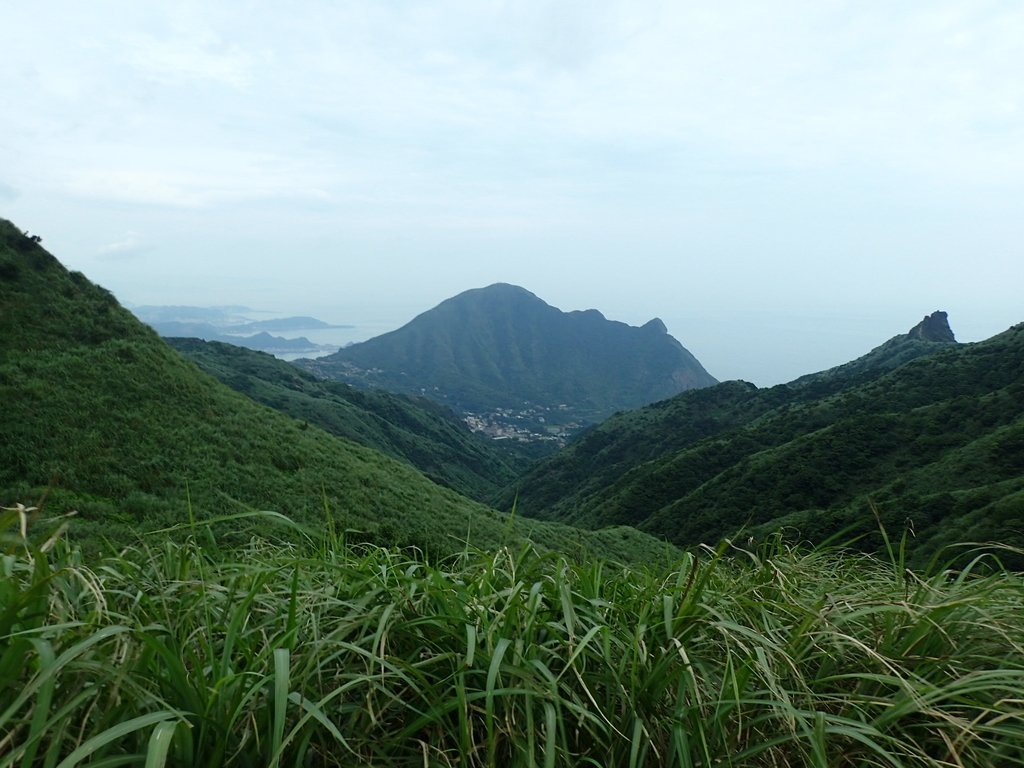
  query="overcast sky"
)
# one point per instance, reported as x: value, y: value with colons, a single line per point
x: 785, y: 184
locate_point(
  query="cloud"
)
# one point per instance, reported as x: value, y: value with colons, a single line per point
x: 197, y: 181
x: 128, y: 246
x: 8, y: 192
x: 181, y: 61
x: 430, y: 100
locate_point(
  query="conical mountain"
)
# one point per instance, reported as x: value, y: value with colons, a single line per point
x: 503, y: 347
x: 100, y: 416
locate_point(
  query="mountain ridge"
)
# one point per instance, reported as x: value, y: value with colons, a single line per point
x: 417, y: 430
x: 922, y: 339
x: 936, y: 438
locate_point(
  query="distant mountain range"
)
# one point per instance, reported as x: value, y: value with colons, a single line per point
x: 923, y: 432
x: 230, y: 325
x: 501, y: 350
x: 261, y: 342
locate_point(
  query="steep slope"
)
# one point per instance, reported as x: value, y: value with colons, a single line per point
x: 501, y: 347
x: 118, y: 426
x: 571, y: 484
x: 920, y: 440
x: 416, y: 430
x: 936, y: 445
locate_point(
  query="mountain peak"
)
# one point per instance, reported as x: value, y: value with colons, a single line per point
x: 934, y: 327
x: 929, y: 335
x: 503, y: 294
x: 655, y: 325
x: 501, y: 289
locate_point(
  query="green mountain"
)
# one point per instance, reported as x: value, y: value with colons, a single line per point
x: 502, y: 349
x: 935, y: 443
x: 101, y: 416
x: 414, y: 429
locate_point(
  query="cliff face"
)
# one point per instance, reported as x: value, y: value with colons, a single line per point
x: 934, y: 327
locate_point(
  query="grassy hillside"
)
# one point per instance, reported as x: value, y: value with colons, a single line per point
x: 417, y: 430
x: 937, y: 444
x: 319, y: 654
x: 571, y: 480
x: 106, y: 419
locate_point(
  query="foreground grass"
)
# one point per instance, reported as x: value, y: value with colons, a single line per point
x: 326, y: 655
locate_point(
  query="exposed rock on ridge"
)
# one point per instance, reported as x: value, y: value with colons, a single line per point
x: 934, y: 327
x: 931, y: 335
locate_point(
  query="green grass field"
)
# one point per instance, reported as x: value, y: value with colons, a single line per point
x: 325, y: 654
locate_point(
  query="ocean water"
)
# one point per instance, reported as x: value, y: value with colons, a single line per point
x: 335, y: 338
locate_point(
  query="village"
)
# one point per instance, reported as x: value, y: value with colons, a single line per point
x: 531, y: 424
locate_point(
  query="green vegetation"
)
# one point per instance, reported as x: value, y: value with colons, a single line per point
x: 418, y: 430
x: 324, y: 654
x: 101, y: 417
x: 936, y: 445
x: 377, y: 618
x: 502, y: 347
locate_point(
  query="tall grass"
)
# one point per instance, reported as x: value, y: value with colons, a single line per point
x: 328, y: 655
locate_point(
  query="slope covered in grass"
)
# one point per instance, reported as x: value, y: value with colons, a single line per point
x: 936, y: 443
x: 106, y: 419
x: 417, y: 430
x: 319, y: 654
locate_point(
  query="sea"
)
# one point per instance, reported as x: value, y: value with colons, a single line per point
x: 334, y: 338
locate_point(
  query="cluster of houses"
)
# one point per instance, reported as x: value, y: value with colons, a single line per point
x: 528, y: 425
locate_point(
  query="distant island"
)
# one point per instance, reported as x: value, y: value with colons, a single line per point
x: 230, y: 325
x: 298, y: 323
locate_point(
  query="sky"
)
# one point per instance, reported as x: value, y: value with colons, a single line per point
x: 785, y: 184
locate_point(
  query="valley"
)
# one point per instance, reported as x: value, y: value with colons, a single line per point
x: 530, y: 425
x: 920, y: 434
x: 529, y: 384
x: 215, y: 557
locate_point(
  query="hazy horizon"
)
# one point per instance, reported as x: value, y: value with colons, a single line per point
x: 845, y: 340
x: 785, y: 187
